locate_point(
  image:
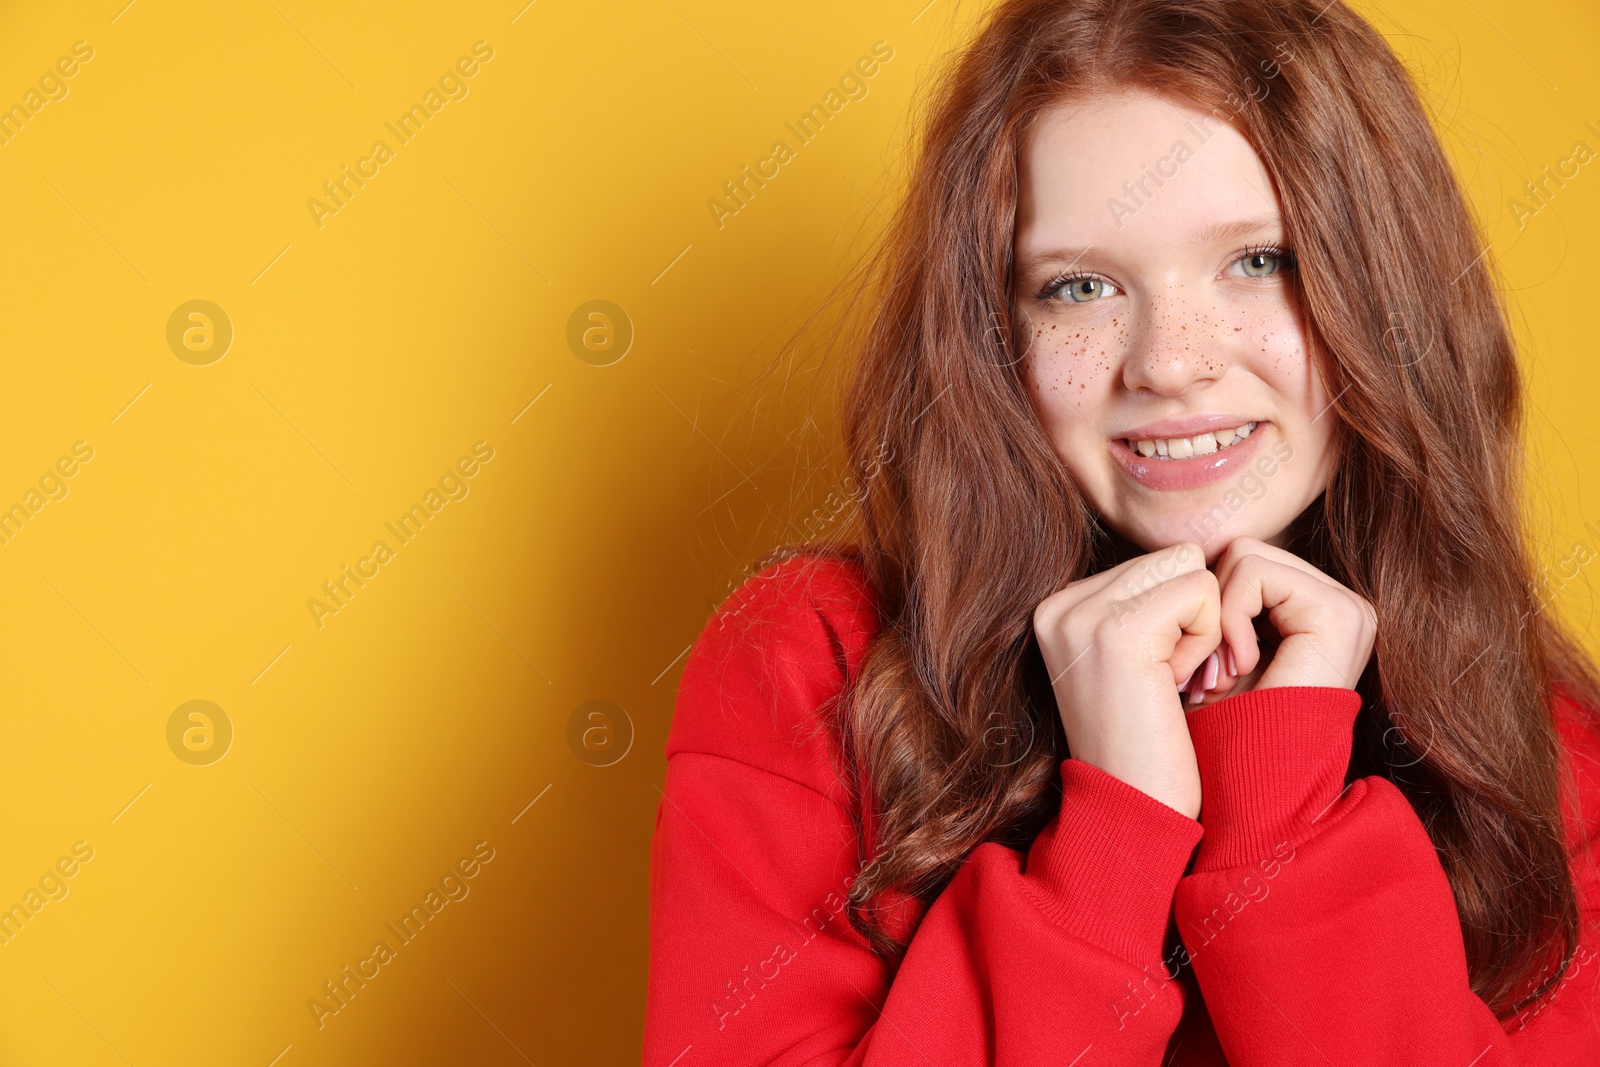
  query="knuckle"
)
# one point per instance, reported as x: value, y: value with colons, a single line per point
x: 1106, y: 627
x: 1047, y: 614
x: 1075, y: 624
x: 1366, y: 616
x: 1246, y: 576
x: 1202, y: 582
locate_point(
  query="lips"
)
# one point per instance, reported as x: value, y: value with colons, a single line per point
x: 1182, y: 467
x: 1185, y: 425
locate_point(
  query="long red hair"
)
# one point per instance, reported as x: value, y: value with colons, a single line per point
x: 968, y: 520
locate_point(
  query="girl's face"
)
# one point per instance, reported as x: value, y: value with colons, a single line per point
x: 1167, y: 357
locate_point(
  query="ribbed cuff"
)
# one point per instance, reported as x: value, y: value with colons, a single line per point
x: 1271, y: 762
x: 1107, y: 867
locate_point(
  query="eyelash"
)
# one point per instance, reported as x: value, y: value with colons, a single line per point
x: 1286, y: 255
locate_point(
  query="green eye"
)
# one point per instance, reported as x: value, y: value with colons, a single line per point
x: 1264, y: 262
x: 1084, y: 288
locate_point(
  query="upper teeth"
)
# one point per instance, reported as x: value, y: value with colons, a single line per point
x: 1184, y: 447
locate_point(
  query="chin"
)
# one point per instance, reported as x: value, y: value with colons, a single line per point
x: 1153, y: 533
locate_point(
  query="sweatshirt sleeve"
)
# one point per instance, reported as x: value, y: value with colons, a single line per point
x: 1319, y: 922
x: 1023, y: 959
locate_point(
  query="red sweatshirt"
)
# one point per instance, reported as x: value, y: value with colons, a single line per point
x: 1317, y: 924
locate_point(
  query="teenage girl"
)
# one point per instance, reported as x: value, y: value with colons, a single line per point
x: 1188, y: 697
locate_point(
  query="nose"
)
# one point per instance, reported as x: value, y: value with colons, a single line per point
x: 1169, y: 346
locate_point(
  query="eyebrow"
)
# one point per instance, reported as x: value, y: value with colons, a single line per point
x: 1231, y: 231
x: 1212, y: 233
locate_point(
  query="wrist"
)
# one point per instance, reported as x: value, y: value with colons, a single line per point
x: 1272, y: 762
x: 1154, y: 757
x: 1108, y: 865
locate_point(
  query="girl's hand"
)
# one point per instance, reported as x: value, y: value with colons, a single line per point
x: 1117, y: 645
x: 1325, y: 630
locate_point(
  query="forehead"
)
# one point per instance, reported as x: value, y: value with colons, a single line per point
x: 1115, y: 166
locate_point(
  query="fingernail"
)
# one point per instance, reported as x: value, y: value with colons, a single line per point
x: 1185, y: 683
x: 1213, y: 664
x: 1197, y: 695
x: 1233, y: 668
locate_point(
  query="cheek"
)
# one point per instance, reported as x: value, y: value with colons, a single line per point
x: 1270, y: 337
x: 1071, y: 373
x: 1280, y: 357
x: 1277, y: 351
x: 1070, y: 367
